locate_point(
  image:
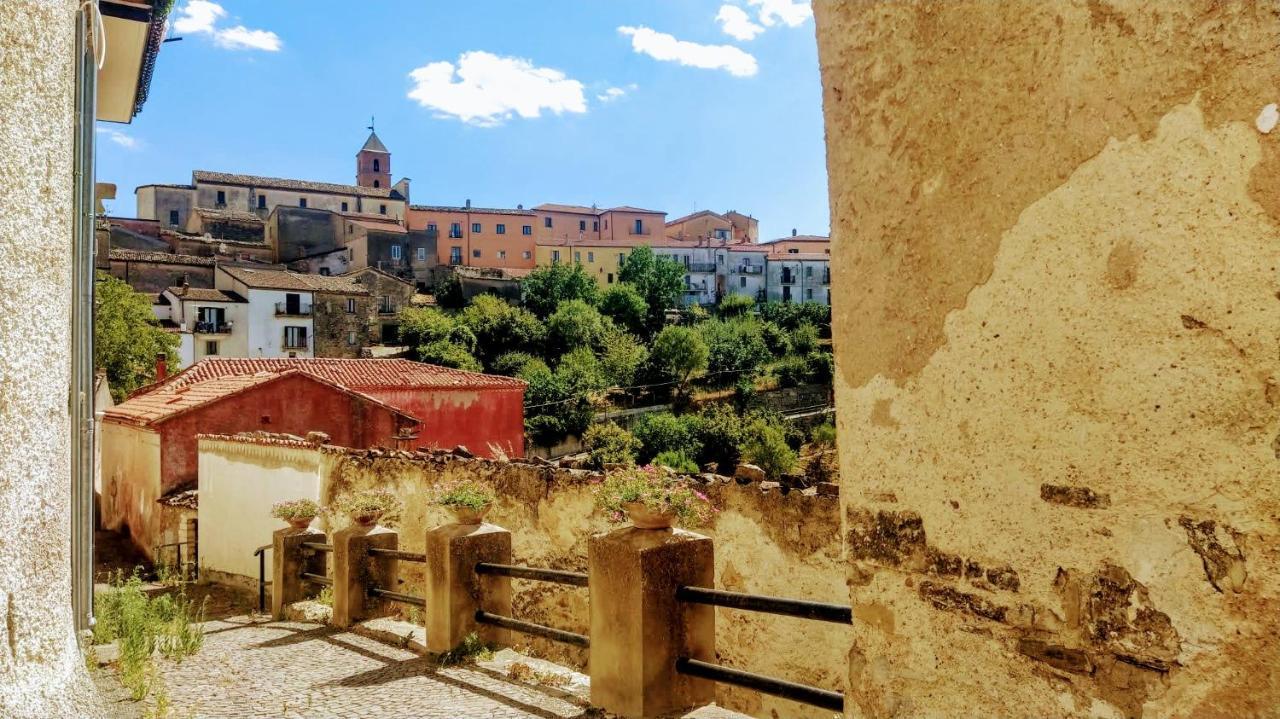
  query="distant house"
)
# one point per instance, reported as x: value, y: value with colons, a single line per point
x: 296, y: 315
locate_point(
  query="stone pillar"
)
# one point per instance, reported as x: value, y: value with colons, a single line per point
x: 638, y: 629
x: 354, y: 571
x: 288, y: 562
x: 455, y: 591
x: 1054, y: 250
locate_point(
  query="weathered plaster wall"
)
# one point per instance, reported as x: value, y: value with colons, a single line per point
x: 1056, y: 335
x: 131, y: 482
x: 41, y: 672
x: 766, y: 542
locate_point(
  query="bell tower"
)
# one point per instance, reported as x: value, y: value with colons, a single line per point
x: 373, y: 162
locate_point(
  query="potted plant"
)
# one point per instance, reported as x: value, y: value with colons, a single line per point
x: 654, y: 498
x: 299, y: 513
x: 365, y: 508
x: 468, y: 499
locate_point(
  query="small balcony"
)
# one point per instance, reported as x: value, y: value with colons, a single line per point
x: 826, y: 277
x: 751, y: 269
x: 701, y: 267
x: 212, y: 328
x: 387, y: 309
x: 788, y: 278
x: 642, y: 232
x: 284, y: 309
x: 295, y: 343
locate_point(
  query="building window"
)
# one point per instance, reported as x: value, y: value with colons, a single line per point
x: 384, y: 305
x: 351, y: 305
x: 431, y: 227
x: 582, y: 225
x: 546, y: 222
x: 475, y: 227
x: 422, y: 254
x: 302, y: 202
x: 501, y: 229
x: 211, y: 347
x: 722, y: 234
x: 382, y: 209
x: 526, y: 230
x: 344, y: 207
x: 577, y: 257
x: 295, y: 337
x: 222, y: 197
x: 555, y: 256
x: 719, y: 259
x: 377, y: 166
x: 502, y: 254
x: 591, y: 257
x: 455, y: 230
x: 475, y: 253
x: 395, y: 252
x: 808, y: 294
x: 808, y: 271
x: 793, y: 252
x: 622, y: 257
x: 526, y: 255
x: 639, y: 227
x: 351, y: 338
x: 455, y: 255
x: 173, y: 217
x: 595, y: 225
x: 262, y: 202
x: 376, y: 184
x: 610, y: 278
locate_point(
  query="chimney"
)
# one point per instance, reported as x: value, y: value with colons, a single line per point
x: 162, y: 367
x: 520, y: 207
x: 468, y: 203
x: 793, y: 232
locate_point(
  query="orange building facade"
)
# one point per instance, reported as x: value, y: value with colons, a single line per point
x: 478, y: 236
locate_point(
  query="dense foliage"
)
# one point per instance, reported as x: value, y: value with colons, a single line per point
x: 127, y: 337
x: 660, y: 280
x: 546, y: 287
x: 607, y: 443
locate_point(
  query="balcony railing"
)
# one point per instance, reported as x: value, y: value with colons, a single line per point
x: 701, y: 267
x: 788, y: 279
x: 826, y: 277
x: 750, y: 269
x: 387, y: 309
x: 284, y: 309
x: 213, y: 328
x: 641, y: 231
x: 299, y: 344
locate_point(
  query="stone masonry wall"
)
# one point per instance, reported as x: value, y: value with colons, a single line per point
x: 1056, y: 330
x: 766, y: 543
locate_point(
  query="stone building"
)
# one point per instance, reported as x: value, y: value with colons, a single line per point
x: 298, y: 315
x: 152, y: 272
x: 225, y: 224
x: 388, y: 295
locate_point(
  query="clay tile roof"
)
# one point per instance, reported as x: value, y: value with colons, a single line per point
x: 280, y: 183
x: 798, y: 238
x: 394, y: 228
x: 786, y: 256
x: 629, y: 208
x: 181, y: 498
x: 576, y: 209
x: 472, y: 210
x: 285, y: 280
x: 356, y: 374
x: 218, y: 215
x: 160, y: 257
x: 693, y: 215
x: 169, y: 399
x: 204, y: 294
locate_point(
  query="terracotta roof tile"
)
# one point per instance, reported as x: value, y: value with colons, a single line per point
x: 472, y: 210
x: 280, y: 183
x: 167, y: 258
x: 285, y: 280
x: 204, y: 294
x: 222, y: 215
x: 575, y: 209
x: 798, y: 238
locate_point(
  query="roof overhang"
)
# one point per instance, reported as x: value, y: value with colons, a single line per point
x: 134, y: 30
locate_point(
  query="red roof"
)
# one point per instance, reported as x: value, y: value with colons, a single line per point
x: 355, y: 374
x: 164, y: 402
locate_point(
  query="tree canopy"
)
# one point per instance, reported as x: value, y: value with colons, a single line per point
x: 546, y: 287
x: 660, y: 280
x: 127, y: 337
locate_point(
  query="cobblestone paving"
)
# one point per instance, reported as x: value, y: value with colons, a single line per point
x: 253, y: 669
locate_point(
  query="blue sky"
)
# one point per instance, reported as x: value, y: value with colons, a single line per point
x: 676, y: 105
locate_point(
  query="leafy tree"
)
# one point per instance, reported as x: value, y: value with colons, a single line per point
x: 677, y: 461
x: 776, y: 339
x: 423, y: 325
x: 734, y: 305
x: 620, y: 357
x: 719, y: 431
x: 822, y: 367
x: 804, y: 338
x: 561, y: 402
x: 449, y: 293
x: 448, y: 354
x: 574, y: 324
x: 789, y: 315
x: 582, y: 371
x: 500, y: 327
x: 438, y: 339
x: 678, y: 352
x: 735, y: 348
x: 662, y: 432
x: 766, y: 447
x: 624, y: 304
x: 511, y: 363
x: 792, y: 371
x: 126, y: 336
x: 660, y: 280
x: 546, y: 287
x: 608, y: 443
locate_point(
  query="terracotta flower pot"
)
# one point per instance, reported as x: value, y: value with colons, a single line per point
x: 301, y: 522
x: 644, y: 518
x: 366, y: 520
x: 470, y: 515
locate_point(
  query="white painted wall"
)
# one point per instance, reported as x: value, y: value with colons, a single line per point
x: 130, y: 481
x: 265, y: 337
x: 239, y: 482
x: 744, y: 283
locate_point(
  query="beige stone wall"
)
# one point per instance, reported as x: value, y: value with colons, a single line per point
x: 1056, y: 340
x: 41, y: 672
x: 131, y: 483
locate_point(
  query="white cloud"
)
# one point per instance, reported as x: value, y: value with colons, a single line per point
x: 661, y: 46
x: 736, y: 23
x: 201, y: 17
x: 242, y: 38
x: 791, y: 13
x: 126, y: 141
x: 486, y: 89
x: 616, y: 93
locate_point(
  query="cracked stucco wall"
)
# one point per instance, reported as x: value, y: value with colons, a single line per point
x: 1058, y: 347
x: 41, y: 672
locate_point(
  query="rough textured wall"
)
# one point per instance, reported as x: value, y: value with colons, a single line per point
x: 41, y: 672
x: 1056, y: 331
x: 766, y: 543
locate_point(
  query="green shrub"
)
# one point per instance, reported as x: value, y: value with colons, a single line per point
x: 548, y: 286
x: 661, y: 432
x: 620, y: 357
x: 624, y: 304
x: 791, y: 372
x: 511, y: 363
x: 678, y: 353
x: 822, y: 367
x: 608, y: 443
x: 659, y: 491
x: 677, y: 461
x: 470, y: 649
x: 766, y: 447
x: 824, y: 435
x: 574, y: 324
x: 775, y: 339
x: 295, y: 509
x: 500, y: 327
x: 449, y: 354
x: 804, y: 338
x: 734, y: 305
x: 719, y: 431
x: 467, y: 493
x: 734, y: 348
x: 448, y: 293
x: 141, y: 626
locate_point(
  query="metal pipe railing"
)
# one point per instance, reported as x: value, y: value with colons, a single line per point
x: 318, y: 546
x: 318, y: 579
x: 537, y: 630
x: 556, y: 576
x: 833, y: 701
x: 261, y: 554
x: 821, y: 611
x: 398, y: 554
x: 397, y: 597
